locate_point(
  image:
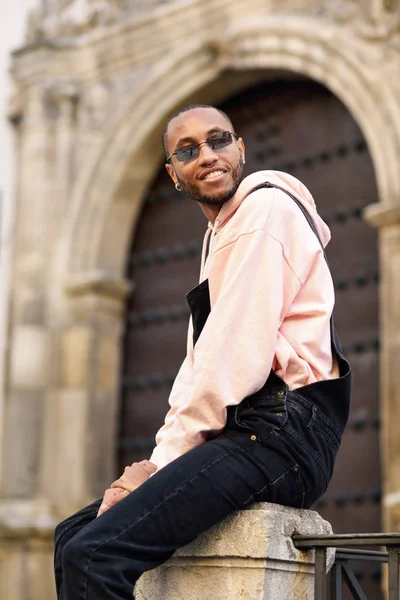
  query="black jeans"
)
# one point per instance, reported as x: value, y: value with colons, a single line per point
x: 277, y: 447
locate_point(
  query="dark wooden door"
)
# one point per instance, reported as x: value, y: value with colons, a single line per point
x: 301, y: 128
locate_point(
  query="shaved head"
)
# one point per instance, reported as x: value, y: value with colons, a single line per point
x: 186, y: 109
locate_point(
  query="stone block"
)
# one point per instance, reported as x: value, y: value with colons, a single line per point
x: 249, y: 556
x: 21, y: 444
x: 76, y: 354
x: 107, y: 364
x: 29, y: 360
x: 26, y: 565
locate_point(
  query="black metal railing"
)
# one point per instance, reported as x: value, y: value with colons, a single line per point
x: 341, y: 571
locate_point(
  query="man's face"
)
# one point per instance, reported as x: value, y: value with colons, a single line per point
x: 214, y: 176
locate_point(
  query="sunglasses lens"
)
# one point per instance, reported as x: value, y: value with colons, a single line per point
x: 220, y: 141
x: 189, y: 153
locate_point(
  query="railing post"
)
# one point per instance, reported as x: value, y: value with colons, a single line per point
x: 393, y: 560
x: 320, y: 583
x: 336, y: 582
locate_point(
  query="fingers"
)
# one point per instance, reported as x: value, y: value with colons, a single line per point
x: 107, y: 501
x: 134, y: 475
x: 148, y: 466
x: 110, y: 498
x: 126, y: 482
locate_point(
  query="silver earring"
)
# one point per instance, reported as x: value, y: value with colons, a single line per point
x: 178, y: 187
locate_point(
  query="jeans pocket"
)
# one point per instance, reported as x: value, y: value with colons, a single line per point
x: 262, y: 413
x: 299, y: 484
x: 288, y: 490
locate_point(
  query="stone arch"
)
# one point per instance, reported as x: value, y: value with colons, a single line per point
x: 106, y: 200
x: 100, y: 202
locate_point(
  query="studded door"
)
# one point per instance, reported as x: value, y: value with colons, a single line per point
x: 298, y: 127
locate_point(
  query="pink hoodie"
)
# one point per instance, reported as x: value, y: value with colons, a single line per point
x: 271, y: 297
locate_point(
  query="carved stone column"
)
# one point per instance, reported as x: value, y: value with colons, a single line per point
x: 78, y: 458
x: 387, y: 219
x: 7, y: 219
x: 66, y: 96
x: 29, y: 339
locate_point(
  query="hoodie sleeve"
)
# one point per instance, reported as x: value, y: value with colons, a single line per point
x: 181, y: 389
x: 251, y: 288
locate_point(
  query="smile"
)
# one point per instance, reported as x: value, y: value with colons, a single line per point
x: 213, y: 175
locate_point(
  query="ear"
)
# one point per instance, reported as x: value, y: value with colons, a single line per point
x: 171, y: 173
x: 242, y: 149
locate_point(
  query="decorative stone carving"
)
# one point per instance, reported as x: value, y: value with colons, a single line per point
x: 371, y: 19
x: 15, y: 106
x: 74, y: 17
x: 64, y: 94
x: 94, y: 106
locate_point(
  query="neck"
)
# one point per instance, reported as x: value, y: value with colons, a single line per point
x: 211, y: 212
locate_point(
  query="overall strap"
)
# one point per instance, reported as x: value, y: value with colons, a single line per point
x: 208, y: 245
x: 334, y: 337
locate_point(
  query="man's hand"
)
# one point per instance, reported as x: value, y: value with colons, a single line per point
x: 131, y: 479
x: 111, y: 497
x: 135, y: 475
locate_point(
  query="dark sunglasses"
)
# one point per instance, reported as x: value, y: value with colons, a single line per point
x: 215, y: 142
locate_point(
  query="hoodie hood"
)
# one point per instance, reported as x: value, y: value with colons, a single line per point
x: 285, y: 181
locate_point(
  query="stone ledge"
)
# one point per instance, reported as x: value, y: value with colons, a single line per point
x: 95, y: 292
x: 380, y: 215
x: 97, y: 283
x: 249, y: 556
x: 26, y: 520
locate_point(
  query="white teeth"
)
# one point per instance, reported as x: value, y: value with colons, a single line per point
x: 213, y: 174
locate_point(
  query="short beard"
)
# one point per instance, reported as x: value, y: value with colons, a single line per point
x: 192, y: 190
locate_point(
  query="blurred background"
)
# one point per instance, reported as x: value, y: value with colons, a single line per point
x: 98, y: 249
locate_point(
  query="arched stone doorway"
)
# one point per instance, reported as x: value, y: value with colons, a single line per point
x: 299, y: 127
x: 107, y: 198
x: 122, y: 87
x: 295, y: 125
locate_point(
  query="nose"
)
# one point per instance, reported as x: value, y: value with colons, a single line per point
x: 207, y: 156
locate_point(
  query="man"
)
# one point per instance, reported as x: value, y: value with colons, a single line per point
x: 261, y: 400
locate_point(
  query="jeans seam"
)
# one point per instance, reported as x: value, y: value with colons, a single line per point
x: 236, y: 447
x: 307, y: 447
x: 329, y: 436
x: 70, y: 525
x: 333, y: 443
x: 260, y: 491
x: 270, y: 483
x: 331, y: 424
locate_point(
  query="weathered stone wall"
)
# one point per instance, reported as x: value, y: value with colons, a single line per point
x: 94, y: 85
